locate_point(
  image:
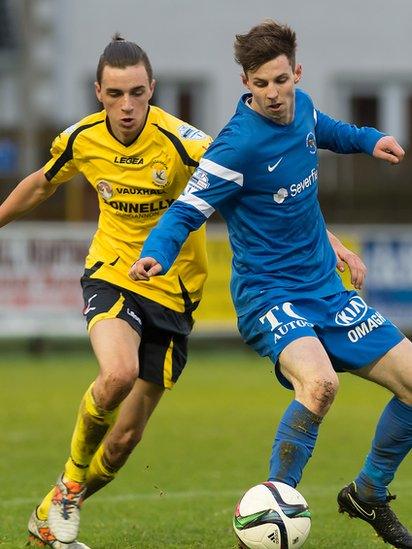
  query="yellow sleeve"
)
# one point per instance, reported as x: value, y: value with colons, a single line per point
x: 62, y: 167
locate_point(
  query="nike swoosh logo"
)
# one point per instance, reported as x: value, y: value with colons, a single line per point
x: 368, y: 515
x: 271, y: 168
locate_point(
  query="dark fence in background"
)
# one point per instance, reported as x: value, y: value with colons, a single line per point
x: 359, y: 189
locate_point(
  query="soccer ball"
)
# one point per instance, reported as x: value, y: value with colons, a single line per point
x: 272, y: 515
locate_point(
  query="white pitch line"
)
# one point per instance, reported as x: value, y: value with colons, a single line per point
x: 139, y: 497
x: 320, y: 490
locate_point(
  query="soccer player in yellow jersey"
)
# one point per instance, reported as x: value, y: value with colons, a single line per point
x: 138, y: 158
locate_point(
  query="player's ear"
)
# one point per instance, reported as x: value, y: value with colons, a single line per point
x: 297, y: 73
x: 152, y: 87
x: 98, y: 91
x: 245, y: 80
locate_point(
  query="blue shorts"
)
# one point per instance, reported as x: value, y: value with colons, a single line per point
x: 353, y: 334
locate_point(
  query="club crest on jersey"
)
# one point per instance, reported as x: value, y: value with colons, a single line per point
x: 354, y: 311
x: 198, y: 182
x: 190, y: 132
x: 281, y: 195
x: 311, y: 142
x: 159, y: 173
x: 104, y: 189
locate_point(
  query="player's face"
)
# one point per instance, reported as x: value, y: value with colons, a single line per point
x: 273, y: 89
x: 125, y: 95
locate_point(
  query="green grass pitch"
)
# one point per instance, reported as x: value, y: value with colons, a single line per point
x: 208, y: 441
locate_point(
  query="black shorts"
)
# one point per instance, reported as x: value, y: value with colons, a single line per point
x: 164, y: 332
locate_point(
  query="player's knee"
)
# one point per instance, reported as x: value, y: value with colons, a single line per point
x: 118, y: 383
x: 322, y: 392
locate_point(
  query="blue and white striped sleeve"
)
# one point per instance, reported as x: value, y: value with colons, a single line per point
x: 217, y: 179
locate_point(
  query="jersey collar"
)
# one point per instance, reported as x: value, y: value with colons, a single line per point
x: 146, y: 129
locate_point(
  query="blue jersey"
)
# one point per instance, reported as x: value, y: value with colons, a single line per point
x: 263, y: 179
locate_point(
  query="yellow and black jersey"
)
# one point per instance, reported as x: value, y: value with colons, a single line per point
x: 135, y: 185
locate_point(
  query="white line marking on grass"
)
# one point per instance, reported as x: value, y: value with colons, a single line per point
x: 311, y: 490
x: 139, y: 497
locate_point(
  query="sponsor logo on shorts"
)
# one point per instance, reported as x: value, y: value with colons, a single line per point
x: 134, y: 315
x: 354, y: 311
x: 88, y: 307
x: 365, y: 327
x: 283, y: 319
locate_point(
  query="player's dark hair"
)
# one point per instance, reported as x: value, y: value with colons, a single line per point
x: 263, y: 43
x: 121, y: 53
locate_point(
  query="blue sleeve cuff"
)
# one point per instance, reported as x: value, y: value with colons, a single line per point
x: 370, y: 138
x: 162, y: 259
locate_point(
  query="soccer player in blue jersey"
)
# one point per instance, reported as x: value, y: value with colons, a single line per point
x: 261, y: 173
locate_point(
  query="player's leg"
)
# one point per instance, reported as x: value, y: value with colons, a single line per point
x: 115, y: 344
x: 393, y: 437
x: 288, y: 334
x: 369, y: 338
x: 305, y: 364
x: 125, y: 434
x: 367, y: 498
x: 162, y: 358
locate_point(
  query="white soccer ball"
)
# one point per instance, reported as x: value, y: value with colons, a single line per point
x: 272, y: 515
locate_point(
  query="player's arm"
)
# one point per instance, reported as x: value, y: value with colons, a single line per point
x: 165, y: 241
x: 341, y: 137
x: 29, y: 193
x: 217, y: 179
x: 344, y: 256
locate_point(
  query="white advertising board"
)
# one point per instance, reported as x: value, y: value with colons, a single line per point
x: 41, y: 265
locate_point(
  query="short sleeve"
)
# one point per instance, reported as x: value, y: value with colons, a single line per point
x: 62, y: 167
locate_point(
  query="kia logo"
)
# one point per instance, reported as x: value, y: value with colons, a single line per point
x: 352, y: 313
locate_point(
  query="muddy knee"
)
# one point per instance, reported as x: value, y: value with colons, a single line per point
x: 320, y: 394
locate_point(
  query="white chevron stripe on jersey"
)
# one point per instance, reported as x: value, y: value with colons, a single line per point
x: 220, y: 171
x: 201, y: 205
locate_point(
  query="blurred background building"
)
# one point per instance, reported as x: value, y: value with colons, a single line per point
x: 356, y: 58
x: 357, y: 66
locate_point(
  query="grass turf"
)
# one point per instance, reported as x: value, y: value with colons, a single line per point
x: 208, y: 441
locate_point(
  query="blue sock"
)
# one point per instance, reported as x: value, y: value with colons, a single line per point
x: 392, y: 442
x: 294, y: 443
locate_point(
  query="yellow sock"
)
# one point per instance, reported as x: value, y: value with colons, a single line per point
x: 99, y: 473
x: 43, y: 508
x: 91, y: 426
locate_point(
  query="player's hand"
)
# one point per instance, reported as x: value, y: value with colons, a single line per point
x: 357, y: 267
x: 144, y: 268
x: 387, y: 148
